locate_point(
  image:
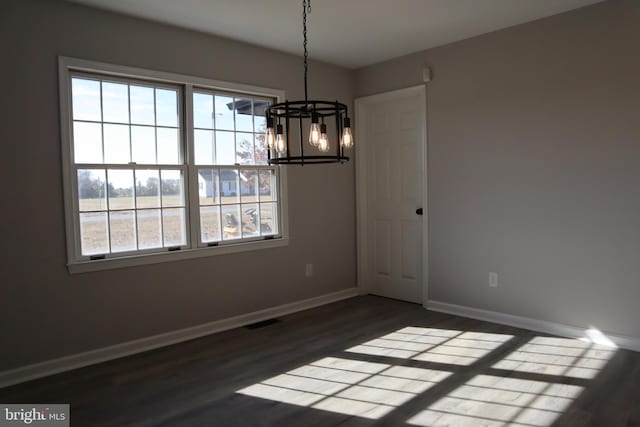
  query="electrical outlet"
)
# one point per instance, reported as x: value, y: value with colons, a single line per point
x: 493, y: 280
x: 308, y: 270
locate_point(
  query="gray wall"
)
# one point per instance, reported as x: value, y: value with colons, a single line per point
x: 45, y: 312
x: 533, y: 152
x: 534, y: 147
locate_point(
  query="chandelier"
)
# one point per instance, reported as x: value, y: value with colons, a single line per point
x: 281, y: 119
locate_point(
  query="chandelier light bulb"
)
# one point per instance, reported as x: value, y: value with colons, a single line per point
x: 281, y: 145
x: 314, y: 134
x: 347, y: 137
x: 314, y: 131
x: 270, y: 134
x: 323, y: 142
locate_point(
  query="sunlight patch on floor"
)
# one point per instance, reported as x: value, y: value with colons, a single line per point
x: 464, y: 349
x: 433, y: 345
x: 488, y: 400
x: 596, y: 336
x: 405, y: 343
x: 372, y: 390
x: 558, y: 356
x: 350, y: 387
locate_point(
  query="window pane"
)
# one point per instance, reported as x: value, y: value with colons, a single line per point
x: 244, y: 114
x: 115, y: 102
x: 92, y: 190
x: 94, y: 233
x: 208, y: 187
x: 86, y: 99
x: 174, y: 224
x: 261, y: 155
x: 203, y: 146
x: 142, y: 109
x: 172, y: 186
x: 231, y: 221
x: 143, y: 144
x: 149, y: 229
x: 87, y: 142
x: 123, y: 231
x: 120, y: 188
x: 268, y: 185
x: 250, y: 220
x: 224, y: 112
x: 268, y: 218
x: 225, y: 148
x: 210, y: 223
x: 147, y: 188
x: 229, y: 186
x: 203, y: 110
x: 259, y: 115
x: 249, y: 185
x: 116, y: 144
x: 168, y: 146
x: 244, y: 148
x: 166, y: 107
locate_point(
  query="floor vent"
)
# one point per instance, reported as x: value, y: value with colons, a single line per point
x: 262, y: 324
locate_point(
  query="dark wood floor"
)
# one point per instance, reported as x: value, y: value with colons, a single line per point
x: 359, y: 362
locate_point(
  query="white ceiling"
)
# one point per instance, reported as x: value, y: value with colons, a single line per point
x: 351, y: 33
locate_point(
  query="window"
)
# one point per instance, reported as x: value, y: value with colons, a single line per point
x: 136, y: 141
x: 240, y: 201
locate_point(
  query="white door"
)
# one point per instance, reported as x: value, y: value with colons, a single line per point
x: 391, y: 188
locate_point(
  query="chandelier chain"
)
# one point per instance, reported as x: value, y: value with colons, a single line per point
x: 306, y: 8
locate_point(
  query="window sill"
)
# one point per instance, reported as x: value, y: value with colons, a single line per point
x: 136, y: 260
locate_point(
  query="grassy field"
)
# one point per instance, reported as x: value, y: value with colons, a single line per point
x: 125, y: 230
x: 128, y: 203
x: 146, y: 202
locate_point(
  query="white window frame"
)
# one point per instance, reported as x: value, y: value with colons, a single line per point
x: 76, y: 263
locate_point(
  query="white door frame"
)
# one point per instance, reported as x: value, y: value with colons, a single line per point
x: 362, y: 187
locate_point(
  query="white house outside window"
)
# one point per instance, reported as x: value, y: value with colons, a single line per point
x: 135, y: 142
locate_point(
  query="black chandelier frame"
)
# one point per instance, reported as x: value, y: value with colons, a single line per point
x: 289, y: 111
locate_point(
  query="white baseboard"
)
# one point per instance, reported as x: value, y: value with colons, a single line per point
x: 629, y: 343
x: 74, y: 361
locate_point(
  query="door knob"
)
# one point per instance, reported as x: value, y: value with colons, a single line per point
x: 419, y: 211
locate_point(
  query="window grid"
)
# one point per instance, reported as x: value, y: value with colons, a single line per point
x: 136, y: 208
x: 106, y: 174
x: 254, y: 132
x: 131, y: 215
x: 238, y: 217
x: 130, y: 136
x: 248, y: 135
x: 130, y: 123
x: 248, y: 204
